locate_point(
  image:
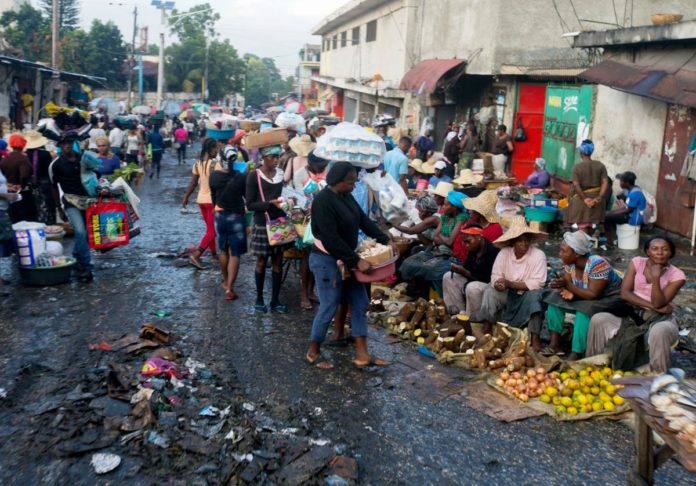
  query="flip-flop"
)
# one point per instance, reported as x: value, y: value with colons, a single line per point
x: 196, y: 264
x: 307, y: 307
x: 547, y: 351
x: 372, y: 362
x: 319, y: 362
x: 230, y: 295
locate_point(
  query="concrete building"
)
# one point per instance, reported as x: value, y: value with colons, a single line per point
x: 644, y: 114
x: 310, y: 57
x: 6, y: 5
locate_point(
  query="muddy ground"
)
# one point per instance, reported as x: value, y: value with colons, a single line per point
x: 406, y: 424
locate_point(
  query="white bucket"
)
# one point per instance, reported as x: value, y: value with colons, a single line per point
x: 477, y: 165
x: 499, y: 163
x: 31, y: 242
x: 627, y: 236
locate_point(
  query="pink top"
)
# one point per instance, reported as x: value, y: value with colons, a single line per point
x: 180, y: 134
x: 642, y: 288
x: 530, y: 269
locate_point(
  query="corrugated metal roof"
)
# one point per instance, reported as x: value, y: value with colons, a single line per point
x: 84, y: 78
x: 670, y: 78
x: 425, y: 75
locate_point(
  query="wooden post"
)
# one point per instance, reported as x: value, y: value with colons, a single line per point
x: 644, y: 450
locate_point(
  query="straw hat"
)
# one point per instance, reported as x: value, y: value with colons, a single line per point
x: 442, y: 189
x: 35, y: 140
x: 302, y: 145
x: 484, y: 204
x: 518, y: 228
x: 428, y: 167
x: 416, y: 164
x: 468, y: 178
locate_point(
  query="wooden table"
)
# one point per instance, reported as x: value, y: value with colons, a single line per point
x: 649, y: 420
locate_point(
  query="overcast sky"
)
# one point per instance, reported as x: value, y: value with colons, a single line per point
x: 268, y: 28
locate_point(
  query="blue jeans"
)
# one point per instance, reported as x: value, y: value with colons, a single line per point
x: 81, y: 248
x: 331, y: 288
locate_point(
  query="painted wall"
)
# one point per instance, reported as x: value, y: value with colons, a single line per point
x: 386, y: 55
x: 628, y: 133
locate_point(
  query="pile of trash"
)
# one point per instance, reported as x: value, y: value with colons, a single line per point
x: 145, y: 410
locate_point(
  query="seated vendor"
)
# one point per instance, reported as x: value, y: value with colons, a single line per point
x: 630, y: 205
x: 425, y: 230
x: 440, y: 175
x: 440, y: 193
x: 465, y: 282
x: 517, y: 280
x: 432, y: 264
x: 540, y: 178
x: 415, y: 178
x: 650, y: 286
x: 587, y: 285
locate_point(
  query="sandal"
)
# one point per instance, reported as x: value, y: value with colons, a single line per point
x: 260, y: 307
x: 319, y: 362
x: 279, y: 308
x: 372, y: 362
x: 230, y: 295
x: 307, y: 306
x: 547, y: 351
x: 195, y: 263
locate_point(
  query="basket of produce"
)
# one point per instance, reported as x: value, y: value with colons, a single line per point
x: 662, y: 18
x: 378, y: 272
x: 382, y: 259
x: 57, y: 271
x: 223, y: 135
x: 542, y: 214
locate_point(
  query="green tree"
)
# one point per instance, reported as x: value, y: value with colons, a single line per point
x: 262, y: 79
x: 105, y: 52
x: 28, y: 31
x: 68, y: 13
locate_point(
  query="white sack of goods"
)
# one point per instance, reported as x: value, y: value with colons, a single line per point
x: 375, y: 253
x: 393, y: 201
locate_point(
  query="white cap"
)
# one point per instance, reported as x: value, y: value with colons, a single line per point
x: 440, y: 164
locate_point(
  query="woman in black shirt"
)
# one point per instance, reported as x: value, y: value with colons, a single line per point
x: 266, y: 206
x: 336, y: 220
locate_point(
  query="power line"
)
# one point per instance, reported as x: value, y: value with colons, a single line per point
x: 575, y: 12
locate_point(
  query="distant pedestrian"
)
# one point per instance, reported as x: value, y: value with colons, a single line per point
x: 40, y: 160
x: 110, y: 161
x: 116, y: 137
x: 201, y: 178
x: 134, y: 144
x: 19, y: 172
x: 181, y: 139
x: 157, y: 149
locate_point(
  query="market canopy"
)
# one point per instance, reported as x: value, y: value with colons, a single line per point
x: 424, y: 76
x: 669, y: 77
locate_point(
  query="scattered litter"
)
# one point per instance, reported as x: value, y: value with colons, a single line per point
x: 374, y: 381
x: 157, y: 439
x: 3, y: 393
x: 206, y: 469
x: 104, y: 462
x: 243, y: 457
x: 209, y: 411
x: 152, y: 332
x: 317, y: 411
x: 319, y: 442
x: 159, y: 366
x: 102, y: 346
x: 289, y: 431
x: 193, y: 366
x: 162, y: 313
x: 141, y: 394
x: 235, y: 435
x: 248, y: 407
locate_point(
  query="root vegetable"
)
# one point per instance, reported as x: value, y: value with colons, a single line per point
x: 480, y: 359
x: 406, y: 312
x: 524, y: 397
x: 515, y: 364
x: 392, y: 321
x: 496, y: 353
x: 531, y: 373
x: 499, y: 382
x: 469, y: 342
x: 432, y: 336
x: 420, y: 340
x: 421, y: 307
x: 496, y: 363
x: 458, y: 339
x: 529, y: 362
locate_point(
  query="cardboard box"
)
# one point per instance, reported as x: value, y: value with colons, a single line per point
x: 249, y: 126
x: 272, y: 136
x: 381, y: 257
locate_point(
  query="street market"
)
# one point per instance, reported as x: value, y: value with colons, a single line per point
x: 405, y: 279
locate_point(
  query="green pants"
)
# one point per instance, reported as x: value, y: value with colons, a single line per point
x: 555, y: 317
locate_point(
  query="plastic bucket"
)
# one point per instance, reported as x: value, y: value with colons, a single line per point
x: 627, y: 236
x: 30, y: 238
x: 379, y: 272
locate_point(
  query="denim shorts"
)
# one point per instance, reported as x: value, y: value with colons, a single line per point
x: 231, y: 232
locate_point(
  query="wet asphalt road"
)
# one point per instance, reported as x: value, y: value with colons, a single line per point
x: 400, y: 433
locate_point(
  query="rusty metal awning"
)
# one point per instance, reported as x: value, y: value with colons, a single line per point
x: 423, y: 78
x: 670, y: 77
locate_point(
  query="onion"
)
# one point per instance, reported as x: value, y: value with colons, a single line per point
x: 533, y: 382
x: 499, y: 382
x: 505, y: 375
x: 516, y: 374
x: 540, y: 371
x: 524, y: 397
x: 531, y: 373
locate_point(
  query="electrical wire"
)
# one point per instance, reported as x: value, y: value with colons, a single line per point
x: 575, y: 12
x: 616, y: 16
x: 564, y: 27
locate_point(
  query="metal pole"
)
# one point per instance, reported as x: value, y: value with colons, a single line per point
x: 140, y: 79
x: 131, y: 62
x: 54, y: 40
x: 205, y: 75
x: 160, y: 62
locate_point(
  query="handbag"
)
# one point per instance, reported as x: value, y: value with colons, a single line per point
x: 107, y: 224
x: 520, y: 133
x: 176, y: 145
x: 280, y: 231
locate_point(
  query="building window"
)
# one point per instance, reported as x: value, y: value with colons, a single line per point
x: 335, y: 42
x: 371, y: 34
x: 344, y: 38
x: 356, y: 36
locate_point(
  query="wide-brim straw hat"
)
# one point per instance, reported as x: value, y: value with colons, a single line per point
x: 518, y: 228
x: 442, y: 189
x: 484, y: 204
x: 468, y: 178
x: 302, y: 145
x: 428, y: 167
x: 416, y: 164
x: 35, y: 140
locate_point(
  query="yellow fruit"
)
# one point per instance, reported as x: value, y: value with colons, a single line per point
x: 572, y: 410
x: 604, y: 383
x: 556, y: 400
x: 564, y: 376
x: 607, y: 371
x: 566, y: 401
x: 586, y: 390
x: 551, y: 391
x: 611, y: 390
x: 597, y: 406
x: 596, y: 375
x: 545, y: 398
x: 587, y: 408
x: 566, y: 392
x: 582, y: 399
x: 629, y: 373
x: 573, y: 385
x: 609, y: 406
x: 618, y: 401
x: 560, y: 409
x: 583, y: 373
x: 572, y: 373
x: 595, y: 390
x: 604, y: 397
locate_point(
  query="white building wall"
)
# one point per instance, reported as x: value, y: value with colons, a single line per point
x: 628, y: 131
x: 385, y: 56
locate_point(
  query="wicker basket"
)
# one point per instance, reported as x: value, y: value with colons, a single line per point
x: 662, y: 19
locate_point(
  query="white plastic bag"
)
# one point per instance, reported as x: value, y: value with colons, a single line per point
x: 348, y: 142
x: 393, y: 201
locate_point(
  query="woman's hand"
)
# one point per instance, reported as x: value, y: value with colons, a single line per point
x: 277, y: 203
x: 589, y: 202
x: 667, y: 309
x: 655, y: 271
x: 364, y: 266
x: 557, y: 283
x: 567, y: 294
x: 500, y: 285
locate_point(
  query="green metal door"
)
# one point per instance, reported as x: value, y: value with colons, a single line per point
x: 566, y: 122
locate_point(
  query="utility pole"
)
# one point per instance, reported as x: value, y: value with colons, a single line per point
x: 205, y: 71
x: 54, y: 40
x: 160, y: 61
x: 131, y: 62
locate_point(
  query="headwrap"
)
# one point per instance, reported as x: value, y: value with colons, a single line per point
x: 579, y: 241
x: 426, y: 204
x: 450, y: 136
x: 541, y: 163
x: 586, y: 147
x: 473, y: 230
x: 3, y: 144
x: 338, y: 173
x: 271, y: 150
x: 17, y: 141
x: 457, y: 199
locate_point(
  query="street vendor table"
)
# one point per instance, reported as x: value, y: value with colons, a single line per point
x: 649, y: 420
x: 496, y: 183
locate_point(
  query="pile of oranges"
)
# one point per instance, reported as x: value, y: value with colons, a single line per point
x: 586, y: 391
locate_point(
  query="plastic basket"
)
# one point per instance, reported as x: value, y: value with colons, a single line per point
x: 379, y: 272
x: 44, y: 276
x: 542, y: 214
